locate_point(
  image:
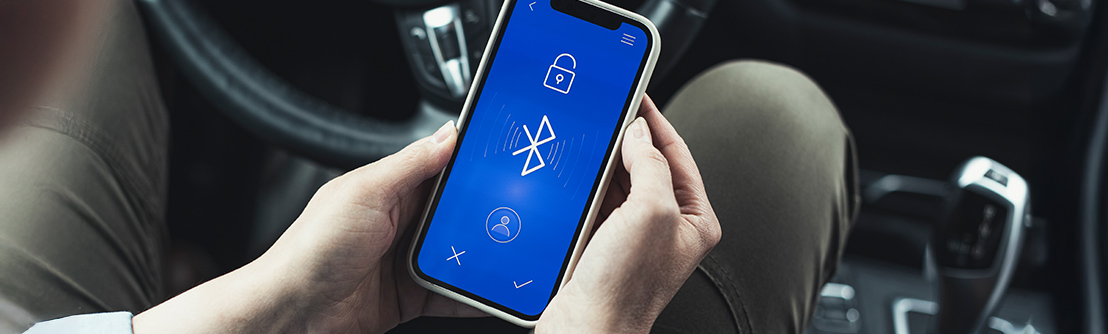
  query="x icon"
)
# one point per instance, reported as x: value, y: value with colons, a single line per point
x: 456, y: 254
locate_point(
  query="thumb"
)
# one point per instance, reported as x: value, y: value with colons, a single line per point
x: 651, y: 182
x: 405, y: 170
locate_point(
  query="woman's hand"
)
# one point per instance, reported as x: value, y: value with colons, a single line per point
x: 659, y: 226
x: 339, y: 268
x: 352, y: 243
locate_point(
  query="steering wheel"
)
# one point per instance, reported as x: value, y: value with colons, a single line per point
x: 273, y: 109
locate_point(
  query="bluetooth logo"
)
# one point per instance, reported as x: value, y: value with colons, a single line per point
x: 534, y: 147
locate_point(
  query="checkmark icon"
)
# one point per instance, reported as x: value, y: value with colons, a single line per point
x: 521, y: 285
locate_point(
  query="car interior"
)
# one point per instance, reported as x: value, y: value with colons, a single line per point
x: 270, y: 99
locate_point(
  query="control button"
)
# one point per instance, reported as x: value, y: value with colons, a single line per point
x: 503, y: 225
x: 998, y: 177
x: 456, y: 256
x: 836, y: 311
x: 627, y: 39
x: 556, y: 74
x: 521, y: 285
x: 533, y: 149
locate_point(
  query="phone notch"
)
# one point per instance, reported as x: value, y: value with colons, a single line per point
x: 587, y: 12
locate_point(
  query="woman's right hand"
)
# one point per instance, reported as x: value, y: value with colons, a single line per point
x: 659, y: 227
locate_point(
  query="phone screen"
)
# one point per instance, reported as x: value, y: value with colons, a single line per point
x: 531, y: 155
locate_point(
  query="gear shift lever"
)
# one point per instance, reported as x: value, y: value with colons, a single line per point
x: 976, y: 244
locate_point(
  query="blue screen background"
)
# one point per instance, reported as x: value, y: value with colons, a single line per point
x: 551, y: 200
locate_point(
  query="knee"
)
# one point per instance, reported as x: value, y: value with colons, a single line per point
x: 767, y: 98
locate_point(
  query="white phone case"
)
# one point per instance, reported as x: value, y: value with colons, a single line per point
x: 594, y: 204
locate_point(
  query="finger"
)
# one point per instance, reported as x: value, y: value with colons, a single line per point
x: 649, y: 170
x: 663, y: 133
x: 623, y: 178
x: 687, y: 181
x: 616, y: 193
x: 439, y: 306
x: 399, y: 173
x: 411, y: 206
x: 612, y: 200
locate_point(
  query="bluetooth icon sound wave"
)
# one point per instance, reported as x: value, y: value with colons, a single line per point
x: 533, y: 149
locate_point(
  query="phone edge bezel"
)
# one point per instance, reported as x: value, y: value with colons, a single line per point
x: 597, y: 200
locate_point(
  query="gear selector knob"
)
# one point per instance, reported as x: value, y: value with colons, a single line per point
x: 976, y: 243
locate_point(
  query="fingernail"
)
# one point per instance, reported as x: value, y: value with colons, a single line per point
x: 443, y: 132
x: 639, y: 130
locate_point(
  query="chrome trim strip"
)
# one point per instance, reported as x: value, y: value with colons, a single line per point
x: 901, y: 307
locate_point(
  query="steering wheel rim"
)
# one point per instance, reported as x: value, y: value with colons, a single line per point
x: 276, y: 111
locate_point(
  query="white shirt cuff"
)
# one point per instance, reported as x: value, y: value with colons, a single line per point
x: 96, y: 323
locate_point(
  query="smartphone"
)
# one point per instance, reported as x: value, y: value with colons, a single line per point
x: 539, y: 133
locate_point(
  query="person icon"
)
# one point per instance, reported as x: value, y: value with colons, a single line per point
x: 502, y: 228
x: 503, y: 225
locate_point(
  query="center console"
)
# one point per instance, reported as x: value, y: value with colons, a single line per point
x: 869, y: 296
x: 969, y: 260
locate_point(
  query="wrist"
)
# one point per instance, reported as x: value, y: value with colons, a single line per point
x: 253, y: 298
x: 589, y: 315
x: 295, y: 280
x: 279, y: 291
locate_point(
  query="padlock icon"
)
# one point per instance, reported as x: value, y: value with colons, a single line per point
x: 559, y: 78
